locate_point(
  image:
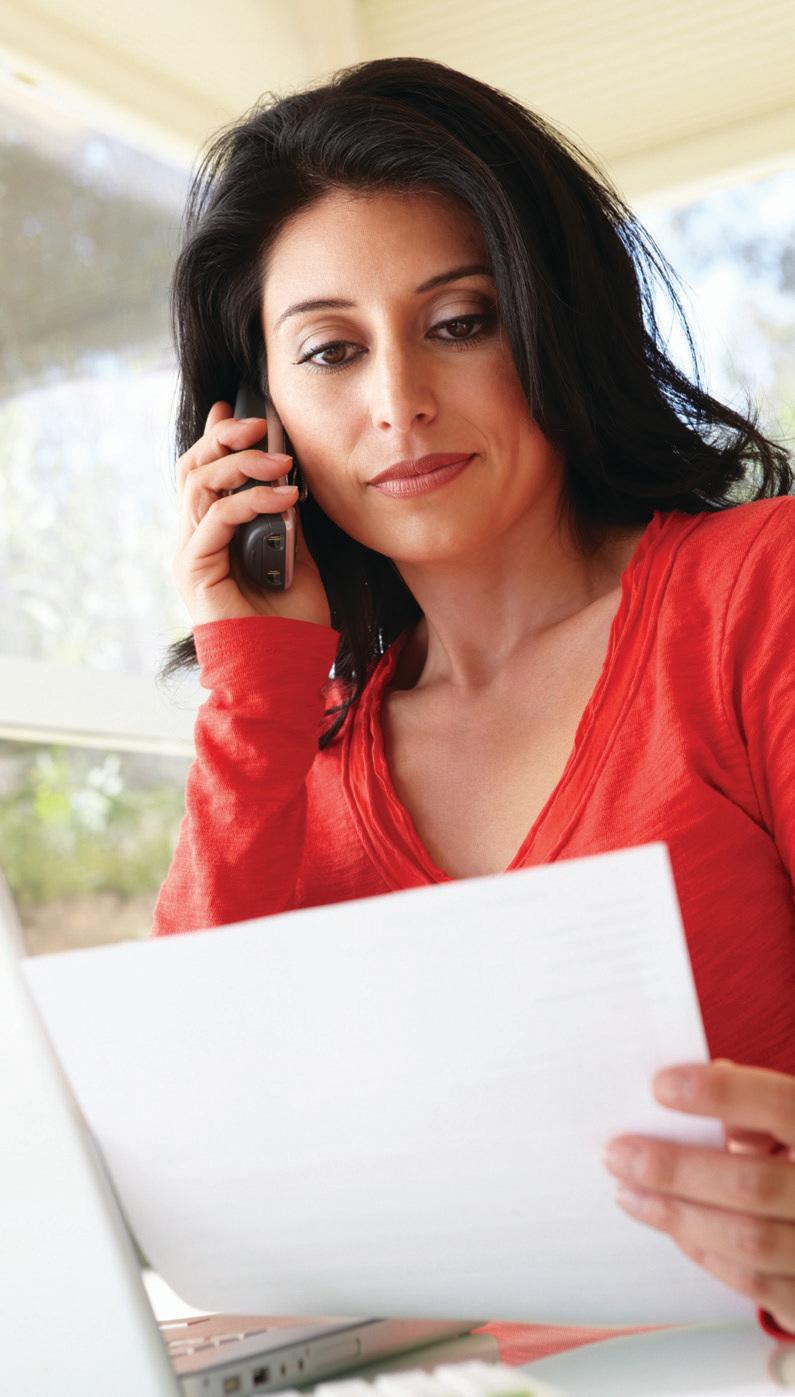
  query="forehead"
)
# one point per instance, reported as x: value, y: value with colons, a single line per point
x: 349, y: 241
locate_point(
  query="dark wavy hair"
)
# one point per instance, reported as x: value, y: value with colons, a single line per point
x: 576, y: 279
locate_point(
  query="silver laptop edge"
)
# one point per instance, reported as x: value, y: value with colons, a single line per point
x: 77, y: 1316
x: 68, y: 1263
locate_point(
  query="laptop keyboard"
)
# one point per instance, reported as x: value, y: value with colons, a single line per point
x: 200, y: 1346
x: 187, y: 1337
x: 473, y: 1379
x: 176, y: 1347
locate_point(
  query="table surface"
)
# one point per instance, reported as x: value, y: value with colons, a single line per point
x: 699, y: 1360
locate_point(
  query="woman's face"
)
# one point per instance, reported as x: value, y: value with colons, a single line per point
x: 388, y: 366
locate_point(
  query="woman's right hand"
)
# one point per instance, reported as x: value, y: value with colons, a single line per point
x: 218, y: 462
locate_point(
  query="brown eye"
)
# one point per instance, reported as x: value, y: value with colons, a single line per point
x: 464, y: 329
x: 337, y: 354
x: 332, y: 354
x: 459, y: 329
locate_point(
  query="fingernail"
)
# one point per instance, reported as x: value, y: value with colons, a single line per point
x: 624, y: 1159
x: 676, y: 1086
x: 634, y: 1201
x: 284, y: 489
x: 251, y: 419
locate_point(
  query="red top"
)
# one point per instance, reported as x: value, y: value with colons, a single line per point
x: 689, y: 738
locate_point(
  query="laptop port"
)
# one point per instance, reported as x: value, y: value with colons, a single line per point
x: 260, y: 1376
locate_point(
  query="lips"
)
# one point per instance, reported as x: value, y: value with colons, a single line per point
x: 420, y: 476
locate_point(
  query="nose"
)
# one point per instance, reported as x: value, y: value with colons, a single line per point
x: 401, y: 391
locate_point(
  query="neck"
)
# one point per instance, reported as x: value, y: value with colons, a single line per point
x: 480, y: 613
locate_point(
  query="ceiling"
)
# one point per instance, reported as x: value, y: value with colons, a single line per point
x: 669, y: 94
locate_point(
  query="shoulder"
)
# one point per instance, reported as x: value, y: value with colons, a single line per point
x: 733, y: 597
x: 743, y: 524
x: 722, y: 549
x: 707, y: 580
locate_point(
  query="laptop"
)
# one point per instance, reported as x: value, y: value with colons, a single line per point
x: 74, y: 1314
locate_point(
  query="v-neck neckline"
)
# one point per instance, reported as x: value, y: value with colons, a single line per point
x: 383, y: 822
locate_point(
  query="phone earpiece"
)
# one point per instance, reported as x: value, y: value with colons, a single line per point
x: 266, y: 544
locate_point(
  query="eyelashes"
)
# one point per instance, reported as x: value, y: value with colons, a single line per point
x: 340, y: 354
x: 310, y: 358
x: 485, y: 320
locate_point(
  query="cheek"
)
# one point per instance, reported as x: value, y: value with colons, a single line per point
x: 323, y: 459
x: 324, y: 429
x: 324, y: 456
x: 492, y: 394
x: 312, y: 428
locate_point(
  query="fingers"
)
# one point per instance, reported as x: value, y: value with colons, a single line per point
x: 223, y: 434
x: 230, y: 472
x: 215, y: 529
x: 222, y: 460
x: 202, y: 567
x: 206, y: 484
x: 211, y: 583
x: 755, y: 1243
x: 207, y: 447
x: 217, y: 413
x: 733, y: 1212
x: 203, y: 562
x: 753, y: 1256
x: 775, y: 1294
x: 751, y: 1099
x: 740, y: 1183
x: 751, y: 1142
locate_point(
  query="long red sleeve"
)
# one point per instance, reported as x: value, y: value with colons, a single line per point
x: 244, y: 830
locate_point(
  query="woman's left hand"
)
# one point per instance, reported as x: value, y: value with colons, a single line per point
x: 733, y: 1212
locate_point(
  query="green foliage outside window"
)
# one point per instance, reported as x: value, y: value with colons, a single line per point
x: 74, y: 821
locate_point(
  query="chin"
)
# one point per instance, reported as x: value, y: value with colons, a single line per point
x: 438, y: 535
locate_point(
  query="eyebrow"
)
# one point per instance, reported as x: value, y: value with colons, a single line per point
x: 334, y: 303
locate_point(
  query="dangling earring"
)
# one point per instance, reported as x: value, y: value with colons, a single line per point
x: 296, y: 478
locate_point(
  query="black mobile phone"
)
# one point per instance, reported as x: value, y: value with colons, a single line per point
x: 266, y: 544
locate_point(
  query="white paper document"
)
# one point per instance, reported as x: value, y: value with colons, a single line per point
x: 396, y: 1106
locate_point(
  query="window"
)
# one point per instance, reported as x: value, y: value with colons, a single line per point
x: 89, y: 232
x: 86, y: 836
x: 735, y: 251
x: 92, y: 756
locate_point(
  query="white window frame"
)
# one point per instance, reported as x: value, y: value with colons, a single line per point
x: 79, y: 706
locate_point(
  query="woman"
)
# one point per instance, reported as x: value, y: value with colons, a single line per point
x: 508, y: 482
